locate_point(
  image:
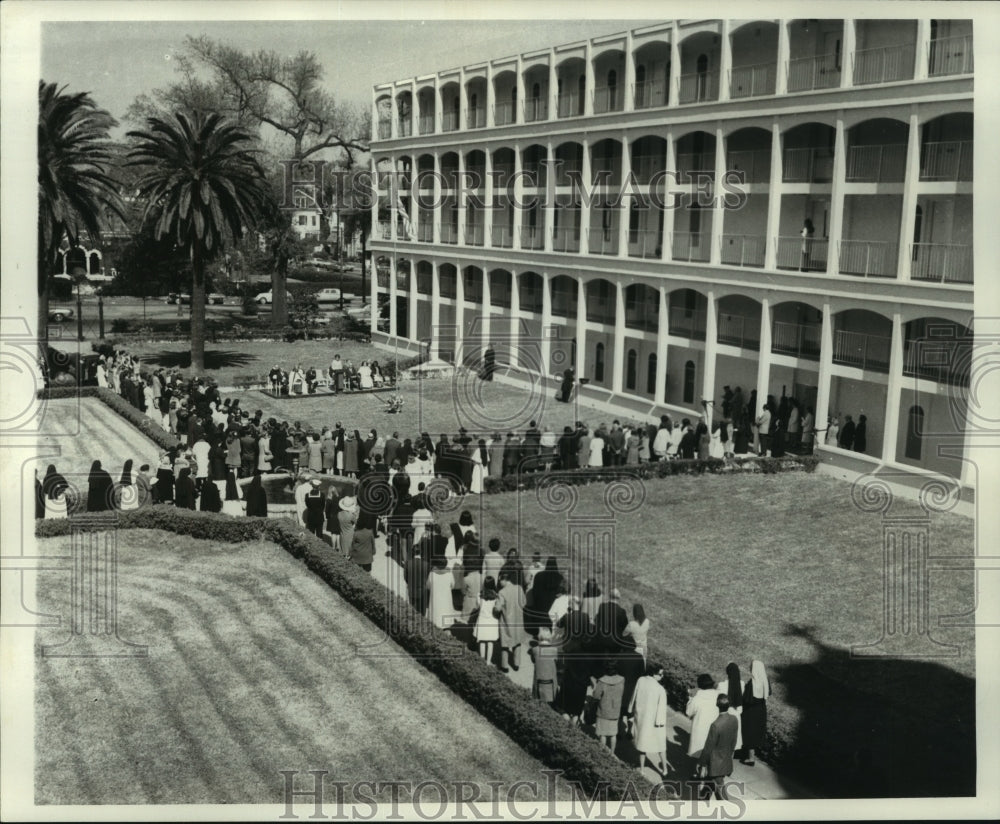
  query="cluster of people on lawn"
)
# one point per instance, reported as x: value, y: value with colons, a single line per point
x: 340, y: 376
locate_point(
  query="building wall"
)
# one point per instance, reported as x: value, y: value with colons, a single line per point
x: 855, y: 398
x: 941, y: 430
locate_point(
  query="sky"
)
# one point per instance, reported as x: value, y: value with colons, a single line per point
x: 117, y: 61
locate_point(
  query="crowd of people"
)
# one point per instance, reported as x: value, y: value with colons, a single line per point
x: 339, y: 376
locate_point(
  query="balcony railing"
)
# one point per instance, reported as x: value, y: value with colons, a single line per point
x: 642, y: 315
x: 688, y: 163
x: 737, y: 330
x: 502, y: 236
x: 611, y: 167
x: 861, y: 350
x: 385, y: 231
x: 449, y: 233
x: 799, y: 339
x: 474, y: 234
x: 698, y: 87
x: 808, y: 73
x: 802, y: 254
x: 502, y: 173
x: 742, y: 250
x: 876, y: 164
x: 807, y: 165
x: 600, y: 310
x: 692, y: 247
x: 941, y: 262
x: 946, y: 160
x: 384, y: 129
x: 883, y: 65
x: 754, y: 163
x: 566, y: 239
x: 425, y: 232
x: 602, y: 241
x: 645, y: 166
x: 405, y: 126
x: 449, y: 121
x: 532, y: 237
x: 752, y: 81
x: 645, y: 244
x: 925, y: 359
x: 570, y: 104
x: 868, y: 258
x: 503, y: 113
x: 649, y: 95
x: 425, y: 180
x: 535, y: 110
x: 950, y: 55
x: 476, y: 118
x: 687, y: 323
x: 608, y: 99
x: 426, y: 124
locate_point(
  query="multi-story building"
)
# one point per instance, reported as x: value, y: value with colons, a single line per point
x: 844, y: 277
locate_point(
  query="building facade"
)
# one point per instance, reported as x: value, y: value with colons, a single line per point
x: 583, y: 197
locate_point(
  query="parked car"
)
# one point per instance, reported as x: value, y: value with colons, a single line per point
x: 185, y: 299
x: 266, y: 298
x: 329, y: 295
x: 57, y: 314
x: 216, y: 298
x: 319, y: 263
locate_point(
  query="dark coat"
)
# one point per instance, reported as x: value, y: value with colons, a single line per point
x: 99, y: 491
x: 717, y: 754
x: 256, y: 500
x: 184, y: 492
x: 210, y: 499
x: 610, y: 623
x: 315, y: 509
x: 164, y: 485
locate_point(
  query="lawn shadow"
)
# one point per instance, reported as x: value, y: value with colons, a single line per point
x: 861, y: 745
x: 214, y: 359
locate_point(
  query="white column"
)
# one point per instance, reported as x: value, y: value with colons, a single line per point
x: 411, y: 305
x: 491, y: 98
x: 662, y: 333
x: 515, y: 309
x: 625, y: 207
x: 588, y: 181
x: 718, y: 213
x: 674, y: 90
x: 711, y: 347
x: 837, y: 198
x: 553, y: 86
x: 667, y: 241
x: 847, y: 61
x: 484, y: 325
x: 618, y: 367
x: 459, y: 315
x: 460, y: 192
x: 546, y: 324
x: 725, y: 59
x: 893, y: 390
x: 588, y: 86
x: 375, y: 134
x: 435, y: 310
x: 373, y: 287
x: 825, y: 373
x: 394, y: 114
x: 549, y: 210
x: 518, y: 198
x: 414, y: 111
x: 911, y: 179
x: 437, y: 195
x: 393, y: 199
x: 375, y: 201
x: 923, y: 50
x: 764, y: 359
x: 438, y: 106
x: 774, y: 198
x: 629, y: 74
x: 488, y: 200
x: 581, y: 328
x: 781, y: 69
x: 414, y: 199
x: 463, y: 104
x: 392, y: 295
x: 522, y: 96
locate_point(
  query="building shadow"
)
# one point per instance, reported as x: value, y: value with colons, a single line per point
x: 852, y: 743
x: 214, y: 359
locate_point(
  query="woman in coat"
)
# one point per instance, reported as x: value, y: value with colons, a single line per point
x: 217, y: 460
x: 363, y: 543
x: 648, y: 709
x: 608, y: 692
x: 184, y: 490
x: 232, y: 505
x: 163, y: 489
x: 127, y: 494
x: 351, y: 455
x: 315, y: 452
x: 545, y: 656
x: 755, y: 695
x: 328, y: 450
x: 733, y: 686
x: 100, y: 489
x: 347, y: 518
x: 509, y: 610
x: 440, y: 609
x: 702, y: 711
x: 472, y: 579
x: 256, y: 498
x: 233, y: 459
x: 264, y: 456
x: 210, y: 500
x: 480, y: 457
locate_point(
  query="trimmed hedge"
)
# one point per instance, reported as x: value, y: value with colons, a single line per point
x: 541, y: 732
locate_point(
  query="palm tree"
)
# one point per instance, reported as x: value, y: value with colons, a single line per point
x: 75, y: 191
x: 201, y: 183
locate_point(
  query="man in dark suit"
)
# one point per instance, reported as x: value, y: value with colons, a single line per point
x: 610, y: 622
x: 391, y: 448
x: 716, y: 761
x: 567, y: 449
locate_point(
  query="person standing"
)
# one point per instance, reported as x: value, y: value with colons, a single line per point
x: 363, y: 543
x: 315, y: 504
x: 808, y: 230
x: 764, y: 430
x: 755, y: 695
x: 638, y: 629
x: 487, y: 628
x: 808, y: 430
x: 256, y: 498
x: 489, y: 363
x: 184, y: 490
x: 347, y: 518
x: 847, y: 432
x: 702, y: 710
x: 100, y: 489
x: 648, y: 709
x: 509, y: 610
x: 861, y: 434
x: 715, y: 763
x: 545, y: 655
x: 608, y: 692
x: 440, y: 608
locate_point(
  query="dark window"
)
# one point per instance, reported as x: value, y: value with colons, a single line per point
x: 536, y: 91
x: 651, y: 375
x: 914, y: 433
x: 640, y: 74
x: 630, y: 369
x: 599, y: 363
x: 689, y: 382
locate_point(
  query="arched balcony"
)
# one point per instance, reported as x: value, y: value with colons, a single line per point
x: 606, y: 163
x: 500, y: 280
x: 564, y: 296
x: 884, y: 51
x: 796, y: 330
x: 451, y: 106
x: 505, y: 98
x: 738, y: 322
x: 754, y: 49
x: 530, y: 290
x: 950, y: 49
x: 569, y: 159
x: 652, y: 75
x: 609, y: 86
x: 571, y: 75
x: 749, y: 151
x: 404, y: 113
x: 695, y: 156
x: 876, y: 151
x: 807, y: 155
x: 533, y: 167
x: 938, y: 350
x: 601, y: 298
x: 942, y: 239
x: 425, y: 113
x: 699, y: 75
x: 383, y: 109
x: 448, y: 280
x: 425, y: 277
x: 869, y: 246
x: 862, y: 339
x: 688, y: 312
x: 642, y: 308
x: 814, y: 54
x: 536, y: 91
x: 566, y: 228
x: 946, y: 148
x: 472, y: 285
x: 475, y: 96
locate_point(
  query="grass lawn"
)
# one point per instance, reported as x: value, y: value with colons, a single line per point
x: 254, y: 666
